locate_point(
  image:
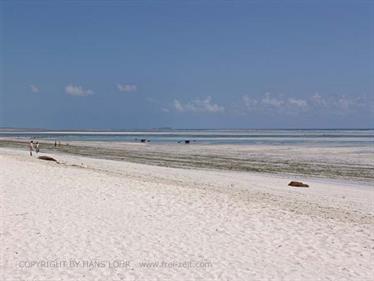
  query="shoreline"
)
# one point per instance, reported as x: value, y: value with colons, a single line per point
x: 341, y: 163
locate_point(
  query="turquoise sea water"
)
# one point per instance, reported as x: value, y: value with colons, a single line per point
x: 331, y: 137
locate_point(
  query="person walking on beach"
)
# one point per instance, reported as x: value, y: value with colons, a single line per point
x: 37, y: 147
x: 31, y: 147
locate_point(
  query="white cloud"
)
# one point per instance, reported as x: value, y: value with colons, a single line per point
x: 344, y: 103
x: 298, y: 103
x: 269, y: 103
x: 318, y: 100
x: 34, y: 89
x: 74, y: 90
x: 126, y: 88
x: 338, y: 104
x: 250, y: 103
x: 269, y: 100
x: 198, y: 105
x: 178, y: 106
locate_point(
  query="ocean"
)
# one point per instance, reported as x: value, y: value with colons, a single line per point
x: 325, y: 137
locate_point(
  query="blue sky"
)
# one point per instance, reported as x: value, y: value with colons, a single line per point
x: 187, y: 64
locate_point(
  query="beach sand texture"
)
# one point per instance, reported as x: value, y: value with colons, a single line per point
x: 226, y: 225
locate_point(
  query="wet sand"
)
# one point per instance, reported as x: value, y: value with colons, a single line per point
x: 349, y: 163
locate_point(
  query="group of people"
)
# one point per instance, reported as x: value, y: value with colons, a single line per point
x: 34, y: 147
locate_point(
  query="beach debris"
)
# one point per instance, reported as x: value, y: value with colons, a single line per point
x: 187, y: 141
x: 47, y: 158
x: 143, y: 140
x: 297, y: 184
x: 79, y: 165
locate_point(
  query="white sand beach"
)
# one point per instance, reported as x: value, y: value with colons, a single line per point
x: 96, y: 219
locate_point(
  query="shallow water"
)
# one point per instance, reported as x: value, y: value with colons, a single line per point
x: 331, y: 137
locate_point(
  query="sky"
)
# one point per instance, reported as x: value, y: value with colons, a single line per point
x: 186, y: 64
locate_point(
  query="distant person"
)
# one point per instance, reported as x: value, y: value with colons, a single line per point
x: 55, y: 143
x: 31, y: 147
x: 37, y: 147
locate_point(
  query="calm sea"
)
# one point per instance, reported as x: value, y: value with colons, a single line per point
x: 363, y: 137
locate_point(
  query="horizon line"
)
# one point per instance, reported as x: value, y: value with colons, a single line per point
x: 20, y: 129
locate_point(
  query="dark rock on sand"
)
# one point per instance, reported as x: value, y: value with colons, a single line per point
x: 297, y: 184
x: 47, y: 158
